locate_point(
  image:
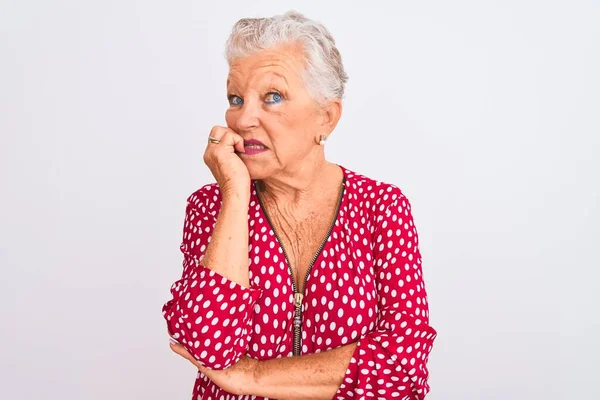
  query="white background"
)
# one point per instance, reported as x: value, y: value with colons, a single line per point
x: 485, y: 113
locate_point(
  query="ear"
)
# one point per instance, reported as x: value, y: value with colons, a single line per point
x: 331, y: 114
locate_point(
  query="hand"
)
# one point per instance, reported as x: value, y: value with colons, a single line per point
x: 238, y: 379
x: 226, y: 166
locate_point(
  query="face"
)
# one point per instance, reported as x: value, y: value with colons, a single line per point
x: 269, y: 103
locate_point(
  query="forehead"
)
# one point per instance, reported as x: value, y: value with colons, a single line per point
x: 282, y: 63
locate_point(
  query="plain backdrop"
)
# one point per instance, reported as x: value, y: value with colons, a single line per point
x: 485, y: 113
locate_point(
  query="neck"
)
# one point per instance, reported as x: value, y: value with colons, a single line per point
x: 306, y: 184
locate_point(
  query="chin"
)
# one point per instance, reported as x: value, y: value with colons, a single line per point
x: 257, y: 172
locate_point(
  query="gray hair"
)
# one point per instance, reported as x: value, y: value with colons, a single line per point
x: 324, y: 74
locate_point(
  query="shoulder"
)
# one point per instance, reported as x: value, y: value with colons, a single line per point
x: 374, y: 195
x: 206, y: 200
x: 385, y: 206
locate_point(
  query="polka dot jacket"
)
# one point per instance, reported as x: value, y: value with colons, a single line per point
x: 364, y: 286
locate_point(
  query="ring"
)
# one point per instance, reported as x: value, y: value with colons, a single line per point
x: 213, y: 140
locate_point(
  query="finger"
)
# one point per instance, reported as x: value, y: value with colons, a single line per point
x: 218, y: 132
x: 228, y: 142
x: 174, y: 347
x: 179, y: 349
x: 234, y: 140
x: 201, y: 368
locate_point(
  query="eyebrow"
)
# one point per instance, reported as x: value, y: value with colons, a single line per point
x: 280, y: 76
x: 277, y: 74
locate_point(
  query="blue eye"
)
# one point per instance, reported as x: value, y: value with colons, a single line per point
x: 235, y: 100
x: 273, y: 98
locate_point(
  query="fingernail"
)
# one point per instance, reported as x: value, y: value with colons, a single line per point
x: 173, y: 341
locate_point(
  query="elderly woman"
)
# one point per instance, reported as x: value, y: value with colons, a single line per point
x: 301, y: 279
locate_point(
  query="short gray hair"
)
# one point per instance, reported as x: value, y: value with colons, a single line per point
x: 324, y: 73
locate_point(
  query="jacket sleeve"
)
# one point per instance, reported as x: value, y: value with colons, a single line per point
x: 390, y: 361
x: 209, y: 314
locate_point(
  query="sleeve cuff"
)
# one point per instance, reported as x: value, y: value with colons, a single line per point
x: 213, y: 318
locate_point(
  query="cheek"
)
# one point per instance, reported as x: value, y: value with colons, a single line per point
x: 291, y: 138
x: 295, y: 121
x: 230, y: 118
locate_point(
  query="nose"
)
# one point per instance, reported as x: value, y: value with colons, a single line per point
x: 248, y: 117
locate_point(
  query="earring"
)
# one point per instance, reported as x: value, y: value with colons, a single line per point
x: 322, y: 141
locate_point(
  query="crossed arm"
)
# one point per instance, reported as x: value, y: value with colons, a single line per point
x: 313, y: 376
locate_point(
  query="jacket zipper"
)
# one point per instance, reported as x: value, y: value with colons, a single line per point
x: 299, y: 295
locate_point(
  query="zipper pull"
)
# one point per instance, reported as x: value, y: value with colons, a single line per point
x: 298, y: 314
x: 298, y: 299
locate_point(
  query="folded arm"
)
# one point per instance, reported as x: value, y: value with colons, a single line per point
x: 313, y: 376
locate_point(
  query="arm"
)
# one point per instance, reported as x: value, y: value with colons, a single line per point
x: 212, y: 308
x: 390, y: 362
x: 310, y: 377
x: 227, y: 253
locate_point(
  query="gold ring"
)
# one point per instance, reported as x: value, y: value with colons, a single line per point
x: 213, y: 140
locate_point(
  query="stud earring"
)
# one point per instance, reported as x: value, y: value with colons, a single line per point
x: 322, y: 141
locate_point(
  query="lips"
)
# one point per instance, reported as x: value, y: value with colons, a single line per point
x: 254, y: 144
